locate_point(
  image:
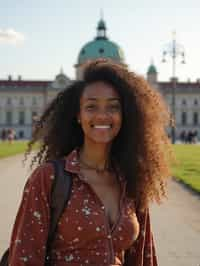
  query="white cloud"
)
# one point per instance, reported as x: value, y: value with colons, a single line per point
x: 10, y: 36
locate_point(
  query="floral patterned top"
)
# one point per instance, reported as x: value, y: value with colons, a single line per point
x: 83, y: 236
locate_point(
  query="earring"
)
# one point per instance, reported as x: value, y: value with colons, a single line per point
x: 79, y: 121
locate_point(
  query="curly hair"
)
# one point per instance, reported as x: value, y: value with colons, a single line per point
x: 141, y: 149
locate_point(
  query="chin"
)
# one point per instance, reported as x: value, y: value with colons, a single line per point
x: 103, y: 140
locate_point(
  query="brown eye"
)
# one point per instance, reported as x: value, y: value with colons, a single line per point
x: 90, y: 107
x: 115, y: 107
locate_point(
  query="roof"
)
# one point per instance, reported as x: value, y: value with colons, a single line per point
x: 182, y: 87
x: 25, y: 86
x: 152, y: 69
x: 22, y: 83
x: 101, y: 47
x: 35, y: 85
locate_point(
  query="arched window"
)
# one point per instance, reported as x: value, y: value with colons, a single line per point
x: 195, y: 118
x: 184, y: 118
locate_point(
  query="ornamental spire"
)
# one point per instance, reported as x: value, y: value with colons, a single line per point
x: 101, y: 27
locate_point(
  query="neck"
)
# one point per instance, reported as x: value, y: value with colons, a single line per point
x: 96, y: 156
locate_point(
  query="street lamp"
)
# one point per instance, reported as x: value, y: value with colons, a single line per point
x: 174, y: 50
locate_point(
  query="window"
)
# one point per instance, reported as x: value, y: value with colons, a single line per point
x: 34, y: 116
x: 21, y: 134
x: 8, y: 117
x: 101, y: 50
x: 9, y: 100
x: 184, y: 102
x: 21, y: 101
x: 195, y: 102
x: 195, y: 118
x: 21, y: 118
x: 34, y: 100
x: 184, y: 118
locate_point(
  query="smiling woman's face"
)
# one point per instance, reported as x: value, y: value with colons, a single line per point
x: 100, y: 113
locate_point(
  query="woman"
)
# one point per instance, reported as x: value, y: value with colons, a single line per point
x: 110, y: 129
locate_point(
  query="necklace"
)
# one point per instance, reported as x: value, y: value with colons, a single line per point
x: 96, y: 169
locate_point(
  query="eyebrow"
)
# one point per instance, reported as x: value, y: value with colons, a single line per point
x: 95, y: 99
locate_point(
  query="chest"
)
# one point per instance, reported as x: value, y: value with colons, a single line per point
x: 86, y: 216
x: 109, y: 199
x: 107, y: 194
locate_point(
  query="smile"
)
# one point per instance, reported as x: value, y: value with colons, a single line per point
x: 101, y: 126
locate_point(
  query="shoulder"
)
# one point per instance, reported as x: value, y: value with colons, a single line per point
x: 41, y: 179
x: 43, y: 172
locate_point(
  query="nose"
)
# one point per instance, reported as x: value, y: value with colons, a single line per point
x: 102, y: 113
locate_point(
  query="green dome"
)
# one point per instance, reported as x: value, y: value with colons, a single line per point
x: 152, y: 69
x: 101, y: 47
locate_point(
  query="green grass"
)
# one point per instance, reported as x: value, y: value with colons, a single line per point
x: 188, y: 166
x: 9, y: 149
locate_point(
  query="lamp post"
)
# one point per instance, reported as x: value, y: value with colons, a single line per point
x: 174, y: 50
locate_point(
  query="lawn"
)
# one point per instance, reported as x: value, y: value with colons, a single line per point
x: 186, y: 170
x: 188, y: 165
x: 8, y: 149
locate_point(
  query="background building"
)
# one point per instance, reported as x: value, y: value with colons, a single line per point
x: 23, y: 101
x: 100, y: 47
x: 187, y: 103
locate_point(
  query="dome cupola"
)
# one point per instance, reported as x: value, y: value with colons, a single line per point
x: 100, y: 47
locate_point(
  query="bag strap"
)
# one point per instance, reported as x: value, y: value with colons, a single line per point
x: 60, y: 195
x: 4, y: 258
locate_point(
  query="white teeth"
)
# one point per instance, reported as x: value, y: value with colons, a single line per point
x: 102, y: 126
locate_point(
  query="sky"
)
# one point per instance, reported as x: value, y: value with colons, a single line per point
x: 37, y: 37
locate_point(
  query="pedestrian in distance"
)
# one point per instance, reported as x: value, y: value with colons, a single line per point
x: 110, y: 130
x: 3, y: 134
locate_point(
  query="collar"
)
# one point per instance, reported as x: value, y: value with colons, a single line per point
x: 72, y: 163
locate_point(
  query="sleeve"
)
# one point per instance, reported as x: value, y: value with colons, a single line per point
x: 142, y: 252
x: 30, y: 231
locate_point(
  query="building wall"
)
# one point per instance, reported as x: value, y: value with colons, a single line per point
x: 187, y: 109
x: 22, y: 102
x: 17, y: 110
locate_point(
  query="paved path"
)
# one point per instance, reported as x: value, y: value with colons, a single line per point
x: 12, y: 179
x: 176, y: 223
x: 176, y: 226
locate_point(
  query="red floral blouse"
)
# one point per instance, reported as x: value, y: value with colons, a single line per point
x: 84, y: 236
